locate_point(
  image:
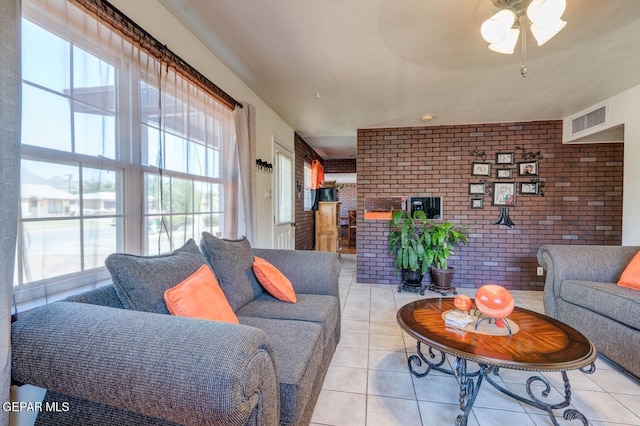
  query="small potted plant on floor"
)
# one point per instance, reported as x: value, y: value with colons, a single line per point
x: 407, y: 242
x: 440, y: 239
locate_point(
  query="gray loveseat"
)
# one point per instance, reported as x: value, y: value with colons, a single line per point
x: 106, y: 365
x: 581, y: 291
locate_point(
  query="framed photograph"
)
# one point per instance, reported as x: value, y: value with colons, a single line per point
x: 529, y: 188
x: 480, y: 169
x: 477, y: 188
x: 477, y: 203
x: 504, y: 193
x: 528, y: 168
x: 504, y: 158
x: 503, y: 173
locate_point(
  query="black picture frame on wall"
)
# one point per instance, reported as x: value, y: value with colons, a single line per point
x: 504, y: 193
x: 504, y: 173
x: 529, y: 188
x: 528, y: 168
x: 477, y: 203
x: 477, y: 188
x: 480, y: 169
x: 504, y: 158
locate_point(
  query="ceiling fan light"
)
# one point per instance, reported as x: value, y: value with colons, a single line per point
x: 495, y: 29
x: 508, y: 44
x: 543, y: 35
x: 545, y: 13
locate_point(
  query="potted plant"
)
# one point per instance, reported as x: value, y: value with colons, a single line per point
x: 440, y: 239
x: 407, y: 242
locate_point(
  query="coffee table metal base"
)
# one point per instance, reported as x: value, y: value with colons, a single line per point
x: 470, y: 382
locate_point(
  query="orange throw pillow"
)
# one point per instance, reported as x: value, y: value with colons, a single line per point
x: 200, y: 296
x: 630, y: 278
x: 273, y: 280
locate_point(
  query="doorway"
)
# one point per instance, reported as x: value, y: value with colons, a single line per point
x: 348, y: 193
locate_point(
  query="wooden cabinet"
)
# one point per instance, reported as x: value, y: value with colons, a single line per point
x: 328, y: 227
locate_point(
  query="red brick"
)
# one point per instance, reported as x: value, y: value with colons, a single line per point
x: 582, y: 198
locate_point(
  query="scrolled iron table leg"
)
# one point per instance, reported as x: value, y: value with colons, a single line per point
x: 468, y: 388
x: 420, y: 359
x: 541, y: 403
x: 435, y: 361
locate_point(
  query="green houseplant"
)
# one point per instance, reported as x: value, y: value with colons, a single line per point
x: 440, y: 239
x: 420, y: 244
x: 407, y: 242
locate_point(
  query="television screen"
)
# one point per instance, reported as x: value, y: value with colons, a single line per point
x: 431, y: 206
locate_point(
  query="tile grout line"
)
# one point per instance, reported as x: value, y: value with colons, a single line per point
x: 375, y: 293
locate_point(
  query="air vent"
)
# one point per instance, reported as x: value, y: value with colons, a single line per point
x: 589, y: 120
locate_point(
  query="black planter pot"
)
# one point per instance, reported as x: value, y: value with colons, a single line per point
x: 410, y: 277
x: 412, y: 281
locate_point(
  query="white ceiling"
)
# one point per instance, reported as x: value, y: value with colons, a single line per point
x: 330, y: 67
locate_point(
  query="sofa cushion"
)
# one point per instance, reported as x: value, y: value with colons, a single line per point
x: 80, y: 411
x: 320, y: 309
x: 607, y: 299
x: 630, y: 277
x: 273, y: 280
x: 298, y: 353
x: 140, y: 281
x: 232, y: 262
x: 105, y: 296
x: 200, y: 296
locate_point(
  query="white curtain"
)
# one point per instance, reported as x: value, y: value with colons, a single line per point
x: 245, y: 118
x: 166, y: 142
x: 9, y: 179
x: 189, y: 135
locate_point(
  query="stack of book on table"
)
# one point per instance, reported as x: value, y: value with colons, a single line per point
x: 457, y: 319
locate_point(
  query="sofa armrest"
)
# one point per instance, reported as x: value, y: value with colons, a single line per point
x: 582, y: 263
x: 183, y: 370
x: 310, y: 272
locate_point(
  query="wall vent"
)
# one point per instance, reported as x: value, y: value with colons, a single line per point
x: 587, y: 121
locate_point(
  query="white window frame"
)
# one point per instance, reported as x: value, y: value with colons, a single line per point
x: 132, y: 218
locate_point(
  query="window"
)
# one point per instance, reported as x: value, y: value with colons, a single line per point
x: 307, y: 186
x: 119, y: 153
x: 71, y: 179
x: 284, y: 188
x: 182, y: 160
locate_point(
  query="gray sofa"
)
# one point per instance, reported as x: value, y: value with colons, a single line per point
x: 105, y: 364
x: 581, y: 291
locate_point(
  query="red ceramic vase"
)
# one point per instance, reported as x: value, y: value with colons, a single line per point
x: 494, y: 301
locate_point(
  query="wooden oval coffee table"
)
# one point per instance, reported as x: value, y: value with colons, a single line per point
x: 540, y: 344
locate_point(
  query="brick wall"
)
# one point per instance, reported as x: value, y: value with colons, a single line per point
x: 582, y: 201
x: 305, y: 220
x: 348, y: 199
x: 340, y: 166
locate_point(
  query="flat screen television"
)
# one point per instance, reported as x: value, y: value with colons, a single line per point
x: 431, y: 206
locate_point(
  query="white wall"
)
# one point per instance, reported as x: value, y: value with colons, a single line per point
x: 624, y: 109
x: 156, y: 20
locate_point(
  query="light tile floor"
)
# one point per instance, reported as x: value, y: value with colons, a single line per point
x: 368, y: 382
